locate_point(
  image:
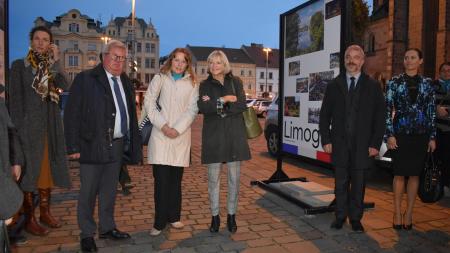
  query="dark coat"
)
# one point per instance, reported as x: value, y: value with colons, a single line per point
x: 223, y: 139
x: 36, y: 119
x: 369, y: 120
x: 89, y: 119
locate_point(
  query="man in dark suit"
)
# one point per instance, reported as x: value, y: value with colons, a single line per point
x: 352, y: 124
x: 101, y: 131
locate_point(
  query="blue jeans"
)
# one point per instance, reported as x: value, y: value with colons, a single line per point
x: 214, y: 186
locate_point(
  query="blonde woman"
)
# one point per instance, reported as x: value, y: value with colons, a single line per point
x: 224, y: 139
x: 170, y: 142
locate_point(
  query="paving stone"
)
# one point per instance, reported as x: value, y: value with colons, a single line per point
x: 233, y: 246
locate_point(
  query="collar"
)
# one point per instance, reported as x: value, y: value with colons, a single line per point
x: 348, y: 76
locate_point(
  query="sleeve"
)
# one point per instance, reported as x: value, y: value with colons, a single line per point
x: 15, y: 149
x: 16, y: 95
x: 326, y: 115
x: 379, y: 120
x: 151, y: 96
x: 186, y: 119
x: 73, y: 116
x: 431, y: 111
x: 206, y: 107
x: 61, y: 79
x: 390, y: 109
x: 240, y: 105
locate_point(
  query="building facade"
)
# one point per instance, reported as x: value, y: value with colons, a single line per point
x: 241, y: 65
x: 267, y: 69
x: 81, y: 39
x: 400, y: 24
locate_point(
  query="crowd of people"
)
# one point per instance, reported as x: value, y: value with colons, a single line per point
x: 100, y: 131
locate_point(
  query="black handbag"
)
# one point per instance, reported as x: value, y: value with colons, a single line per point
x: 431, y: 186
x: 145, y: 127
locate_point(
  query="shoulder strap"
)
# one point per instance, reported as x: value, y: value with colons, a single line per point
x: 232, y: 86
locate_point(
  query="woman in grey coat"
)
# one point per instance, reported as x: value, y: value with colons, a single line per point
x: 224, y: 139
x: 35, y: 85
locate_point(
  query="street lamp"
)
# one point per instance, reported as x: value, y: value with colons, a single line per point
x: 267, y: 50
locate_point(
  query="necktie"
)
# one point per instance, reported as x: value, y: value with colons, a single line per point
x: 121, y: 104
x: 352, y: 85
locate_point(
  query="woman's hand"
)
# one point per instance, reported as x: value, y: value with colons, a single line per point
x: 431, y: 146
x: 229, y: 98
x: 206, y: 98
x: 16, y: 172
x: 55, y: 51
x: 169, y: 132
x: 392, y: 143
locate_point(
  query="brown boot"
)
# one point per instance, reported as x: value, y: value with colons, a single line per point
x: 31, y: 224
x: 44, y: 204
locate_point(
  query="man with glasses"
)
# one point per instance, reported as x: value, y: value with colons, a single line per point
x: 101, y: 132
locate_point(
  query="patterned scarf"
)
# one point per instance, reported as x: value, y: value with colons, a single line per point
x: 43, y: 79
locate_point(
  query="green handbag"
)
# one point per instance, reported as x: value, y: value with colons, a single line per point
x: 252, y: 125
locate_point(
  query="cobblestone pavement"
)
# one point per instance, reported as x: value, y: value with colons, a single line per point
x: 266, y: 223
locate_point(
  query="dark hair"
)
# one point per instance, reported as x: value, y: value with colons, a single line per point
x: 444, y: 64
x: 42, y: 29
x: 419, y: 53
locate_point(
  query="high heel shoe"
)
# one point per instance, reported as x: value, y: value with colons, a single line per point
x: 407, y: 226
x: 396, y: 226
x: 215, y: 224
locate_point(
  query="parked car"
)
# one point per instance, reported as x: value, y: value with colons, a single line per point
x: 252, y: 101
x: 261, y: 107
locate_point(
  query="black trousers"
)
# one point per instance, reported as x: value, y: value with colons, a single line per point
x: 99, y: 180
x: 167, y: 194
x: 443, y: 153
x: 350, y: 185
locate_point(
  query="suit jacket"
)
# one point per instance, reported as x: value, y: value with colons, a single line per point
x: 89, y: 119
x: 369, y: 122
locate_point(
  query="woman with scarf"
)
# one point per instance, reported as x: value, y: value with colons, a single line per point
x: 35, y: 84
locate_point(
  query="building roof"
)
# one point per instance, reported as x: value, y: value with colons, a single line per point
x: 234, y: 55
x: 91, y: 23
x: 256, y: 53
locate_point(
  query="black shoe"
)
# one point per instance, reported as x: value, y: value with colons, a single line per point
x: 115, y: 234
x: 231, y: 223
x: 337, y: 224
x: 88, y: 245
x: 357, y: 226
x: 18, y: 240
x: 215, y: 224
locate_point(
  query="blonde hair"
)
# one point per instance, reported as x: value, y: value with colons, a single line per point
x: 165, y: 69
x: 114, y: 43
x: 223, y: 59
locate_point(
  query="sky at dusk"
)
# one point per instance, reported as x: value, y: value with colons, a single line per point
x: 229, y: 23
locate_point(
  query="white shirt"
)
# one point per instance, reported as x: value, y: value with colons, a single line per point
x: 349, y: 81
x: 117, y: 132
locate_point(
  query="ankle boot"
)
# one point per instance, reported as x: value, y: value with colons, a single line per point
x: 215, y: 224
x: 231, y: 223
x: 44, y: 206
x: 31, y: 224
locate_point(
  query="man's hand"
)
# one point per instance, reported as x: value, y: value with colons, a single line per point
x: 392, y: 143
x: 441, y: 111
x: 431, y: 146
x: 373, y: 152
x: 327, y: 148
x: 74, y: 156
x: 16, y: 171
x: 229, y: 98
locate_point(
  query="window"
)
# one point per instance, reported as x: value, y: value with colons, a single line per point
x: 92, y: 47
x: 139, y: 47
x: 74, y: 27
x: 152, y: 63
x: 147, y: 78
x: 270, y: 88
x: 114, y: 32
x: 147, y: 63
x: 92, y: 60
x: 270, y: 75
x: 148, y: 35
x: 242, y: 72
x: 153, y: 46
x: 130, y: 23
x: 249, y: 73
x: 74, y: 44
x: 261, y: 75
x: 203, y: 71
x: 371, y: 44
x: 138, y: 60
x: 147, y: 47
x: 138, y: 76
x: 249, y: 87
x: 261, y: 87
x: 73, y: 60
x: 70, y: 76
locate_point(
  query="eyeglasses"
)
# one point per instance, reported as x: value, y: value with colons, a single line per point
x: 117, y: 57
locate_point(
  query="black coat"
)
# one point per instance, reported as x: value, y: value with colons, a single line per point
x: 89, y: 118
x: 223, y: 139
x: 369, y: 120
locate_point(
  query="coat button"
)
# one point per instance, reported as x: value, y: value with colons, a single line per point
x: 113, y: 114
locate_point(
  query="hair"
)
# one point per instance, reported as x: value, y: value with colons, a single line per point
x: 165, y: 69
x: 419, y: 53
x: 223, y: 58
x: 444, y: 64
x: 41, y: 29
x: 113, y: 43
x: 356, y: 48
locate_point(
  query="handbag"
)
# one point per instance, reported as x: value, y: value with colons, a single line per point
x: 145, y: 127
x: 252, y: 125
x: 431, y: 186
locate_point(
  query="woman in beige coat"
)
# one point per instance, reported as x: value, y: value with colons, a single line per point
x: 170, y: 142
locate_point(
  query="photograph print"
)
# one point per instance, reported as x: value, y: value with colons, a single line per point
x: 305, y: 30
x: 318, y: 84
x: 332, y: 9
x: 294, y: 68
x: 292, y: 106
x: 334, y: 60
x: 313, y: 115
x: 302, y: 85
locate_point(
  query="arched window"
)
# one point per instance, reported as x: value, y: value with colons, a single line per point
x: 371, y: 43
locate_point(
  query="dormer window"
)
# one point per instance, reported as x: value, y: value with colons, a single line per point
x: 74, y: 27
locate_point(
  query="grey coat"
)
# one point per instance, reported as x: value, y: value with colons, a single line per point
x: 224, y: 139
x: 35, y: 119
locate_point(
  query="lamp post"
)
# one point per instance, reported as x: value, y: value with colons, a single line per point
x: 267, y: 50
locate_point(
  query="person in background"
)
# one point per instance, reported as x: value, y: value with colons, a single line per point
x: 410, y: 132
x: 101, y: 130
x: 169, y: 146
x: 224, y: 138
x: 35, y: 85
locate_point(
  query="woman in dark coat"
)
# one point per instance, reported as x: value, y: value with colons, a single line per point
x: 224, y: 139
x: 410, y: 132
x: 35, y: 85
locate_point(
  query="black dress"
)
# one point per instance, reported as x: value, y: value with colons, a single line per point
x: 409, y: 157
